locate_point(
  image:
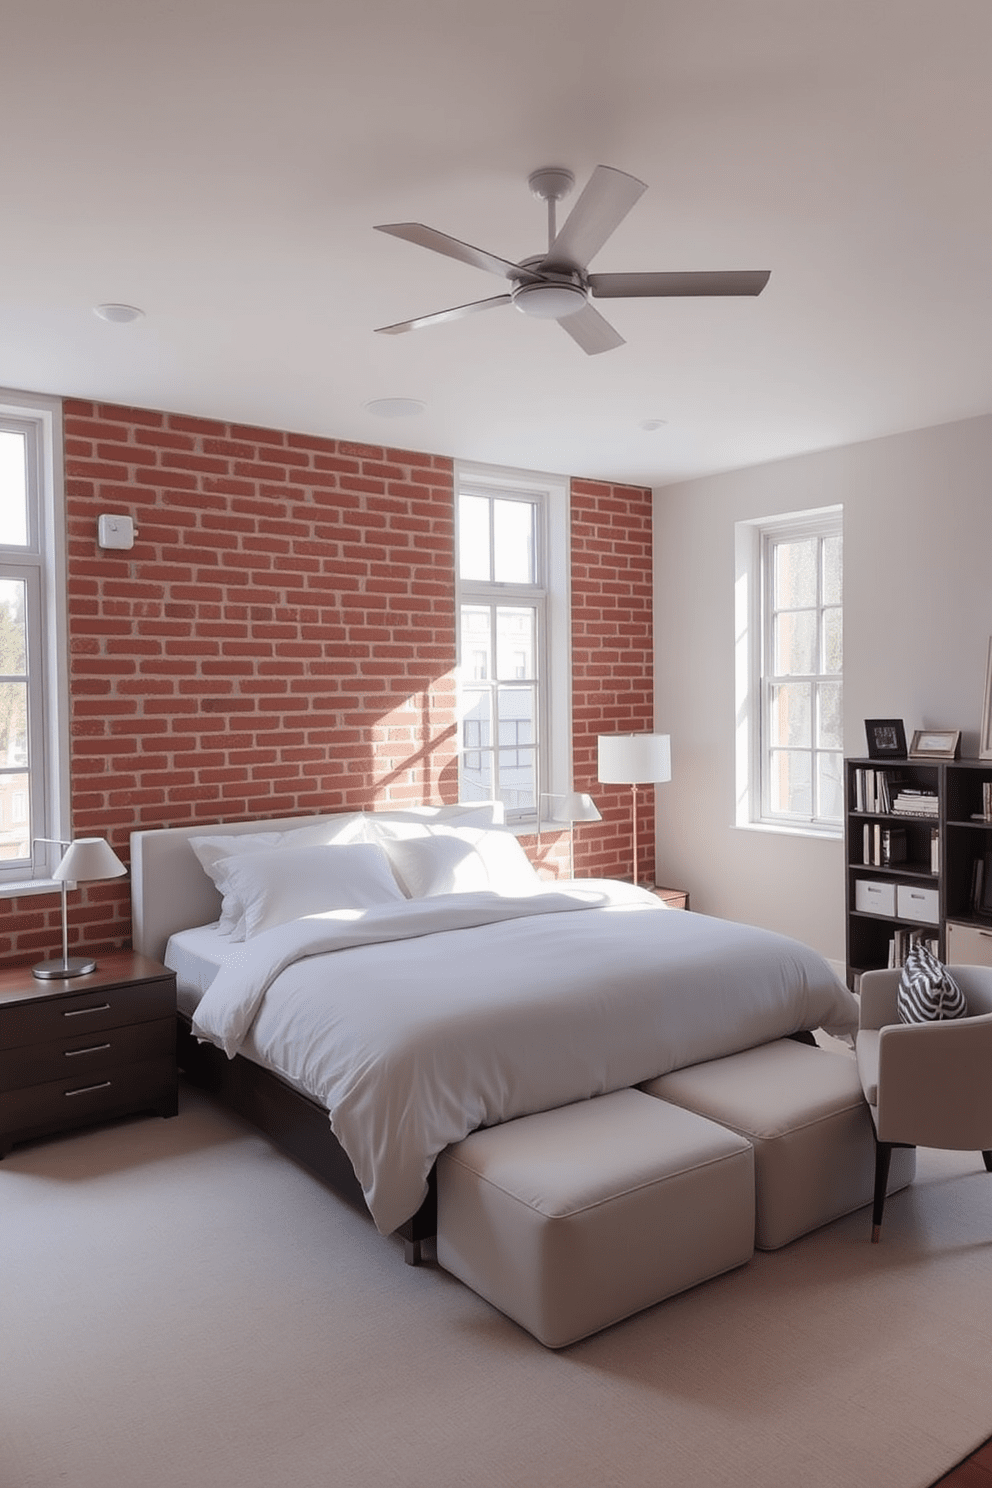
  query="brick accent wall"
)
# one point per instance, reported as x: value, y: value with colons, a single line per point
x: 281, y: 639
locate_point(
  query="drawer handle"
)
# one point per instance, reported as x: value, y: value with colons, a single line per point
x: 103, y: 1007
x: 93, y: 1049
x: 86, y: 1089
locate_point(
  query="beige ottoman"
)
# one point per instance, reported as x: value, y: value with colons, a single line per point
x: 804, y: 1111
x: 572, y: 1219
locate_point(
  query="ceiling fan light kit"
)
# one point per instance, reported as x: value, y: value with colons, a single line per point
x: 557, y: 285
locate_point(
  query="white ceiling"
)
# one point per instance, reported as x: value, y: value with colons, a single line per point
x: 221, y: 163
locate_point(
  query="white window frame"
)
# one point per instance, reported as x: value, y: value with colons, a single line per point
x: 552, y: 595
x: 41, y: 563
x: 753, y: 647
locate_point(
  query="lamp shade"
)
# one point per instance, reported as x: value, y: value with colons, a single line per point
x: 578, y: 807
x: 88, y: 858
x: 635, y: 759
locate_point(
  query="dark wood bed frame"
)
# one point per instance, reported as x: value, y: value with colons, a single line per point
x: 294, y: 1123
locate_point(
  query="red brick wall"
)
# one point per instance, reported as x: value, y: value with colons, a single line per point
x: 612, y: 664
x: 281, y: 638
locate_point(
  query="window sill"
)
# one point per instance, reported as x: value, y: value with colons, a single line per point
x: 780, y: 829
x: 26, y: 886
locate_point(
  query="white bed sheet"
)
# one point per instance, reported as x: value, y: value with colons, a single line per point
x: 196, y: 956
x: 415, y: 1025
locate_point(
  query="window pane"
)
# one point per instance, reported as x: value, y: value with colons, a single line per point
x: 829, y: 787
x: 513, y: 542
x: 477, y: 729
x: 15, y: 817
x: 473, y: 538
x: 13, y: 723
x: 832, y: 570
x: 476, y: 649
x: 829, y: 720
x: 833, y: 641
x: 13, y: 634
x: 795, y: 644
x: 13, y: 489
x: 515, y: 644
x: 795, y: 573
x: 790, y: 718
x: 516, y: 715
x: 475, y: 777
x: 516, y: 779
x: 790, y: 783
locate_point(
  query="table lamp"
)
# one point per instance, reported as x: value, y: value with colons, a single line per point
x: 85, y: 860
x: 573, y: 808
x: 635, y: 759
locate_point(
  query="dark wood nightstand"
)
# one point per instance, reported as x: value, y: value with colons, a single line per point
x: 86, y: 1048
x: 674, y: 898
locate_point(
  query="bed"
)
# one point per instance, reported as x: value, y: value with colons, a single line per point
x: 367, y: 988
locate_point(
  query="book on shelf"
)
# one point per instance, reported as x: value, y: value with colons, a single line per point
x: 883, y: 846
x: 934, y: 850
x: 875, y: 790
x: 903, y: 941
x: 981, y: 885
x: 913, y: 801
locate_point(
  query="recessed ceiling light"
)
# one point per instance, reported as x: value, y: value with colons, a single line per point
x: 395, y: 407
x: 651, y: 424
x: 118, y: 314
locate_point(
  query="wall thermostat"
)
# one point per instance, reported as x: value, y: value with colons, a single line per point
x: 115, y: 532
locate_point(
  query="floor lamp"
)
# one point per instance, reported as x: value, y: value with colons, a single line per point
x: 635, y: 759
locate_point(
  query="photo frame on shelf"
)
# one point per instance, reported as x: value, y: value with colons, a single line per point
x: 938, y: 744
x: 985, y: 737
x: 886, y: 738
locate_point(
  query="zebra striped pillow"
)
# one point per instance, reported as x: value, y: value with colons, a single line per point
x: 927, y: 991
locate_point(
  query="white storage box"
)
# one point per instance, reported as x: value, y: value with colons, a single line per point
x: 914, y: 903
x: 968, y: 945
x: 872, y: 897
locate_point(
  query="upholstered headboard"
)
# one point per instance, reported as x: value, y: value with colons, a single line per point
x: 169, y: 889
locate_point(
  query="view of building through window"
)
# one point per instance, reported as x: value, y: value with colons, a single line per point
x: 802, y: 713
x: 15, y: 824
x: 500, y: 615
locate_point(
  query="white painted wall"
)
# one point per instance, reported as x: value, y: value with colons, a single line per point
x: 917, y: 620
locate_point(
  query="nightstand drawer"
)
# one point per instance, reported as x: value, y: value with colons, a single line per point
x: 53, y: 1018
x: 84, y: 1097
x: 85, y: 1057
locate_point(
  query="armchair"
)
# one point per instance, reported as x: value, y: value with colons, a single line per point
x: 926, y: 1084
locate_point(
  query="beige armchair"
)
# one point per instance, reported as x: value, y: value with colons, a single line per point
x: 927, y: 1084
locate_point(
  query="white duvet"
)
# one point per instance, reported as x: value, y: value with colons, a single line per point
x: 418, y: 1022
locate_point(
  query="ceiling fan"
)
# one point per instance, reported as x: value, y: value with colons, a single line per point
x: 557, y: 285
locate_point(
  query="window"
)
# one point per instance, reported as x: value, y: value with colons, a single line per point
x: 790, y: 665
x: 33, y: 690
x: 513, y: 657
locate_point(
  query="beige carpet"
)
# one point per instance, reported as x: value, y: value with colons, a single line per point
x: 182, y: 1306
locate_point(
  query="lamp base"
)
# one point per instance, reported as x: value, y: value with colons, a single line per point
x: 68, y: 966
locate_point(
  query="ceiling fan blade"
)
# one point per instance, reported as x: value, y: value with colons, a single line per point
x: 439, y: 242
x: 591, y: 331
x: 626, y: 286
x: 607, y: 198
x: 458, y: 313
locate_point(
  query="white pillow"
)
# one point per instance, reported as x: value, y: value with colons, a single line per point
x: 214, y: 851
x: 436, y: 859
x: 276, y: 887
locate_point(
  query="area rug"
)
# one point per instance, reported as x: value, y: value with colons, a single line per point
x: 183, y: 1306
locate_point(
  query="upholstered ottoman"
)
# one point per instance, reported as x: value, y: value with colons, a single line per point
x: 803, y: 1110
x: 572, y: 1219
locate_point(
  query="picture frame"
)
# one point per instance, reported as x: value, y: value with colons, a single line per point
x: 886, y: 738
x: 985, y: 736
x: 940, y: 744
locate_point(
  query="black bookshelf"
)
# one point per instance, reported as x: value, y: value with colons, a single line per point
x: 935, y: 881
